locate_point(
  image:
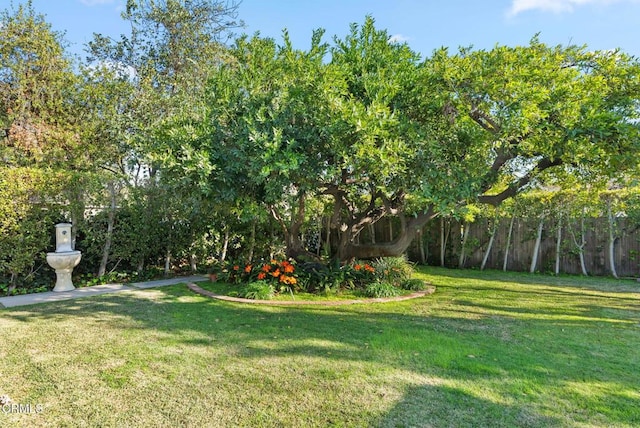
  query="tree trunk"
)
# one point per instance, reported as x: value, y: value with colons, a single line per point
x: 536, y: 247
x: 13, y: 282
x: 463, y: 246
x: 444, y: 234
x: 291, y: 229
x: 167, y: 262
x: 327, y: 243
x: 506, y: 250
x: 423, y: 255
x: 252, y: 241
x: 612, y: 240
x: 580, y: 246
x: 485, y: 258
x: 558, y: 245
x: 111, y: 216
x: 193, y: 261
x: 583, y: 265
x: 319, y: 243
x: 395, y: 248
x: 225, y: 244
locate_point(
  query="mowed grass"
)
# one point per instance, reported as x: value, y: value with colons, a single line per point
x: 488, y: 349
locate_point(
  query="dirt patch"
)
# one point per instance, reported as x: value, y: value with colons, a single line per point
x: 193, y: 287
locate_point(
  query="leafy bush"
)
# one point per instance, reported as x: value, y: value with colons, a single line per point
x: 258, y: 290
x: 363, y: 274
x: 316, y: 277
x: 413, y: 284
x: 394, y: 270
x: 381, y: 289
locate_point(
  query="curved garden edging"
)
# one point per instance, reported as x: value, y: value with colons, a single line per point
x: 196, y: 289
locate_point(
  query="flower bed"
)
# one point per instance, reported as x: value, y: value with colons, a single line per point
x: 380, y: 278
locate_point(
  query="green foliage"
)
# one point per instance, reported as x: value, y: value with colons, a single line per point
x: 330, y: 278
x: 374, y: 127
x: 413, y: 284
x: 115, y: 277
x: 381, y: 289
x: 258, y: 290
x: 393, y: 270
x: 251, y: 145
x: 317, y: 277
x: 37, y: 87
x: 27, y: 216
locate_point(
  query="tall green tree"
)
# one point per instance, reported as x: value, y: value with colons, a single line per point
x: 538, y: 109
x: 42, y: 153
x: 37, y: 83
x: 154, y: 74
x: 172, y: 49
x: 284, y: 126
x: 380, y: 133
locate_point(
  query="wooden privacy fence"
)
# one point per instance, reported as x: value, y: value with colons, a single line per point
x: 441, y: 242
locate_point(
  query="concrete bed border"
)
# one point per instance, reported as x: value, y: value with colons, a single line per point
x: 196, y: 289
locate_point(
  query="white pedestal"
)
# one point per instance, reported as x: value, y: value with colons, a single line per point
x: 63, y: 263
x: 63, y: 280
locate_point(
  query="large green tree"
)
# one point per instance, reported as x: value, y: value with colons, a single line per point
x: 172, y: 49
x: 284, y: 127
x: 154, y: 74
x: 379, y: 133
x: 541, y: 109
x: 37, y: 84
x: 40, y: 143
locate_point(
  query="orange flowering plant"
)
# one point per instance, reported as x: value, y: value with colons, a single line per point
x: 281, y: 272
x: 236, y: 272
x: 360, y: 273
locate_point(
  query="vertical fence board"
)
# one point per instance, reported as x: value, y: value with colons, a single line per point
x: 627, y: 250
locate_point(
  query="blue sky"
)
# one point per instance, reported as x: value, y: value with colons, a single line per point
x: 425, y: 24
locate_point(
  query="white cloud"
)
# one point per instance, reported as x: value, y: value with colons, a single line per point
x: 555, y: 6
x: 95, y: 2
x: 398, y: 38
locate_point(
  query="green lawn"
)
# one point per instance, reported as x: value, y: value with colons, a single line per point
x: 486, y: 350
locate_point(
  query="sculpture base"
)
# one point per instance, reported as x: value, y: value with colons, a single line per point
x: 63, y: 263
x: 63, y: 280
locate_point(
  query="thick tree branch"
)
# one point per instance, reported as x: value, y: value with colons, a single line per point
x: 503, y: 155
x: 276, y: 216
x: 397, y: 246
x: 484, y: 120
x: 517, y: 186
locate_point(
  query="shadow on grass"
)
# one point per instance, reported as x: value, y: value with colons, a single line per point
x: 525, y: 362
x: 443, y: 406
x: 588, y: 283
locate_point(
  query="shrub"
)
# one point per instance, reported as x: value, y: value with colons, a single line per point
x: 282, y: 273
x: 259, y: 290
x: 362, y: 274
x: 316, y: 277
x: 413, y: 284
x: 393, y: 269
x: 381, y: 289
